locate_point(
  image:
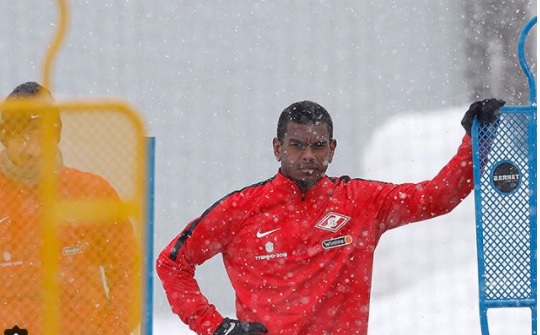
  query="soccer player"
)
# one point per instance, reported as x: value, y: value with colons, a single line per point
x: 298, y: 247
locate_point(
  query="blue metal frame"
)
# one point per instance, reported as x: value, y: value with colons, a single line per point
x: 486, y: 151
x: 148, y: 305
x: 523, y: 61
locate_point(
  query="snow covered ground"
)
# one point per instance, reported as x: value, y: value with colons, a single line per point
x: 425, y: 275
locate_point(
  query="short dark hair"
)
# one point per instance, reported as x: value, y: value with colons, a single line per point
x: 27, y: 90
x: 16, y: 121
x: 304, y: 112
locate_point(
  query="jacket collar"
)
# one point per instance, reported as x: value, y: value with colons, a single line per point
x: 289, y: 186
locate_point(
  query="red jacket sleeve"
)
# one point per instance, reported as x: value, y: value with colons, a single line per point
x: 405, y: 203
x: 203, y: 238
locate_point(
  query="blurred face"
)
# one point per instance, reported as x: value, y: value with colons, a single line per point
x: 23, y: 142
x: 305, y: 153
x: 24, y: 149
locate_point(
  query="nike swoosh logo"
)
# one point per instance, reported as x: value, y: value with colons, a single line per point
x: 231, y: 328
x: 266, y: 233
x: 4, y: 219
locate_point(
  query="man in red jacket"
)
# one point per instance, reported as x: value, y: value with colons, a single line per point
x: 299, y: 247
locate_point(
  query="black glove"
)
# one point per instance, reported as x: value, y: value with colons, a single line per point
x: 487, y: 111
x: 236, y: 327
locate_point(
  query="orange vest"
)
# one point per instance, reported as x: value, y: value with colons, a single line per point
x: 96, y: 261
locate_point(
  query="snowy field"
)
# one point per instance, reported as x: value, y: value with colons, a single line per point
x: 425, y: 276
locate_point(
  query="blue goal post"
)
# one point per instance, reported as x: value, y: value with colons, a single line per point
x: 505, y: 180
x: 149, y: 235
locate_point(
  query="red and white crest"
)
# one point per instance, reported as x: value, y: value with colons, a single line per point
x: 332, y: 222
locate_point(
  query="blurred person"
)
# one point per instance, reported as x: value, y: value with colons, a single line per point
x: 298, y: 248
x: 96, y: 259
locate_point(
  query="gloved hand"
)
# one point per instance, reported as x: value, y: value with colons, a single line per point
x: 236, y: 327
x: 487, y: 111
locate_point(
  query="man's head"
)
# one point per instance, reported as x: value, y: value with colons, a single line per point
x: 14, y: 122
x: 304, y: 143
x: 20, y: 129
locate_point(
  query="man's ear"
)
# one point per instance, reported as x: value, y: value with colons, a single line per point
x: 333, y: 145
x: 277, y: 148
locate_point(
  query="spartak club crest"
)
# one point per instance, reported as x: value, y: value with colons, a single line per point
x: 332, y: 222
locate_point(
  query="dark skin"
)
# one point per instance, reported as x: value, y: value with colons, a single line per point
x: 305, y: 153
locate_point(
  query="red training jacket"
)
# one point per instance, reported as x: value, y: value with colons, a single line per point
x: 302, y: 263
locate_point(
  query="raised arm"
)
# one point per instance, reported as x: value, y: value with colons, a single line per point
x: 402, y: 204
